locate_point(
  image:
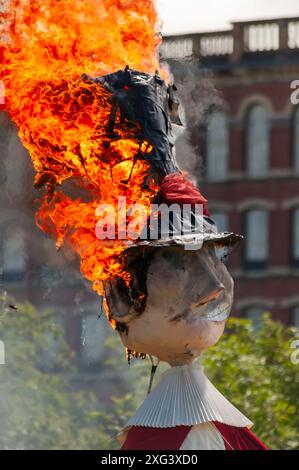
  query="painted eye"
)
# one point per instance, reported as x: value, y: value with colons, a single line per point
x: 221, y: 253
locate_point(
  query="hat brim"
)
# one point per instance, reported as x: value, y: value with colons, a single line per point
x: 222, y: 239
x: 224, y: 242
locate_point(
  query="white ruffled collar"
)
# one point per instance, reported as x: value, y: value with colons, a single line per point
x: 185, y: 397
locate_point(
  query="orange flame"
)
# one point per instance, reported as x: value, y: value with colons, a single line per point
x: 45, y: 46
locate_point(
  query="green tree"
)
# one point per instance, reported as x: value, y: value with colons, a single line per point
x: 253, y: 369
x: 38, y: 407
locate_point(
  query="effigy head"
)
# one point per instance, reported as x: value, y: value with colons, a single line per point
x: 176, y: 295
x: 178, y: 301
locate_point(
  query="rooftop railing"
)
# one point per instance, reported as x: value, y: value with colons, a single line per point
x: 245, y: 37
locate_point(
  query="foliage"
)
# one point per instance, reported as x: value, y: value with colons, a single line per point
x: 41, y: 409
x: 253, y: 369
x: 38, y: 407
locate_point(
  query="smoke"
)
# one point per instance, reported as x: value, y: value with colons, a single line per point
x: 51, y: 278
x: 198, y: 96
x: 30, y: 266
x: 5, y: 135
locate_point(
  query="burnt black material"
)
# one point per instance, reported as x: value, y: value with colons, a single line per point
x: 149, y: 102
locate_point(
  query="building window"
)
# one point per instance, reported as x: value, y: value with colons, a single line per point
x: 217, y: 146
x: 258, y: 141
x: 295, y: 241
x: 5, y: 132
x: 257, y: 239
x: 255, y: 314
x: 295, y: 317
x: 296, y: 139
x: 14, y: 255
x: 221, y: 220
x: 93, y: 334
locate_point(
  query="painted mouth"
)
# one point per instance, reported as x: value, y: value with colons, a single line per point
x: 210, y: 297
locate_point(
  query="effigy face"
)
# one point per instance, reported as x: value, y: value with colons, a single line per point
x: 189, y: 295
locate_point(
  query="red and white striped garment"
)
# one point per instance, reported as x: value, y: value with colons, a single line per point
x: 186, y: 412
x: 206, y: 436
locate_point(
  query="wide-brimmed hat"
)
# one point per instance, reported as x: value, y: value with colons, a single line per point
x: 203, y: 231
x: 181, y: 218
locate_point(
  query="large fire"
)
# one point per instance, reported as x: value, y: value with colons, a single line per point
x: 45, y: 47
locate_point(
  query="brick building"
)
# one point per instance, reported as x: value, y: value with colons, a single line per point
x: 31, y: 270
x: 251, y: 155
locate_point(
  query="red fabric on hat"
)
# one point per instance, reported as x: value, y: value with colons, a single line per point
x: 177, y: 189
x: 239, y: 438
x: 144, y: 438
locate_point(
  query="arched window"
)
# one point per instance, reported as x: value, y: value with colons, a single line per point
x: 217, y: 146
x: 15, y: 167
x: 5, y: 129
x: 14, y: 254
x: 295, y: 241
x: 258, y: 141
x: 221, y: 219
x: 296, y: 139
x: 257, y: 239
x: 255, y: 314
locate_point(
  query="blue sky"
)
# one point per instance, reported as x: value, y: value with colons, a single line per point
x: 180, y: 16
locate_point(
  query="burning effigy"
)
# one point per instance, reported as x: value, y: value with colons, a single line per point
x: 95, y: 108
